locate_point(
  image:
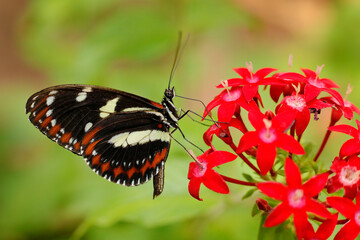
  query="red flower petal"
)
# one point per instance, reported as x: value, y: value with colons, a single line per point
x: 300, y: 223
x: 216, y: 101
x: 302, y: 121
x: 283, y: 120
x: 194, y: 188
x: 263, y: 72
x: 292, y: 174
x: 243, y: 72
x: 215, y: 182
x: 333, y: 184
x: 289, y: 144
x: 350, y: 130
x: 278, y: 215
x: 274, y: 190
x: 315, y: 184
x: 350, y: 147
x: 345, y: 206
x: 326, y: 229
x: 265, y: 157
x: 348, y: 232
x: 256, y: 119
x: 317, y: 208
x: 217, y: 158
x: 248, y: 140
x: 249, y: 91
x: 226, y: 111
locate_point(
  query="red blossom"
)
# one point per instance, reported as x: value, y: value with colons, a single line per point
x: 352, y: 212
x: 203, y: 172
x: 301, y: 105
x: 251, y: 81
x: 315, y: 85
x: 290, y: 80
x: 351, y: 146
x: 221, y: 130
x: 347, y: 176
x: 297, y: 198
x: 268, y: 135
x: 324, y: 231
x: 228, y: 101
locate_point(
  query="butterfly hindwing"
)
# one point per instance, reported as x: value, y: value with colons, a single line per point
x: 128, y: 148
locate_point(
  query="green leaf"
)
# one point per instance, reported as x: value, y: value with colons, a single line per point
x: 249, y: 193
x: 248, y: 177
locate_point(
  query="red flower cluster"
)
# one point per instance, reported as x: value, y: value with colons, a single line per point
x: 302, y: 95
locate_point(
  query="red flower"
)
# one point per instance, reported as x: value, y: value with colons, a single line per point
x: 268, y: 135
x: 324, y: 231
x: 202, y: 172
x: 251, y: 81
x: 351, y: 211
x: 297, y: 199
x: 347, y: 110
x: 315, y: 85
x: 290, y: 80
x: 221, y: 130
x: 351, y: 146
x: 347, y: 176
x: 229, y: 101
x: 300, y: 105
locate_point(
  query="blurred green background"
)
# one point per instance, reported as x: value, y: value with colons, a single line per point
x: 47, y: 192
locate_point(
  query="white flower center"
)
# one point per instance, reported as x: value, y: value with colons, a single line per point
x: 357, y: 217
x: 349, y: 175
x: 232, y: 95
x: 268, y: 135
x: 200, y: 170
x: 297, y: 102
x: 296, y: 198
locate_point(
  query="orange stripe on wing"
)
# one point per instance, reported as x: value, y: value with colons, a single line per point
x: 117, y: 171
x: 46, y: 122
x: 55, y: 129
x: 91, y: 146
x: 157, y: 159
x: 66, y: 137
x: 157, y: 104
x: 90, y: 135
x: 96, y: 160
x: 41, y: 114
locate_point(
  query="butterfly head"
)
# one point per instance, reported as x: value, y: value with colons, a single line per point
x: 169, y: 93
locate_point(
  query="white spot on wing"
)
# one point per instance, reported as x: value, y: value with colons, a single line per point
x: 138, y: 136
x: 87, y: 89
x: 119, y: 139
x: 135, y: 109
x: 53, y: 122
x: 49, y: 112
x: 53, y: 92
x: 108, y: 108
x: 88, y: 126
x: 81, y: 96
x: 50, y: 100
x: 32, y: 105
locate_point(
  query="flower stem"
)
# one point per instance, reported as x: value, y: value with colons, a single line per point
x: 232, y: 180
x: 326, y: 138
x: 242, y: 156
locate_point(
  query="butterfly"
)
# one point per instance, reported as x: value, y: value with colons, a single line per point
x: 123, y: 137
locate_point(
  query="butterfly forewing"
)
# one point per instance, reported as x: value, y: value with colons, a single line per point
x: 123, y: 137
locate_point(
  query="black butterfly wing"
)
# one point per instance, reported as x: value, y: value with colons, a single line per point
x: 121, y: 136
x: 65, y: 113
x: 127, y: 148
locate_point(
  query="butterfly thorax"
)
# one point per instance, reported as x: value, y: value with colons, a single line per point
x: 170, y: 111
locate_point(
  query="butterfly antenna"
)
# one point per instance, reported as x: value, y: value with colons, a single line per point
x: 178, y: 54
